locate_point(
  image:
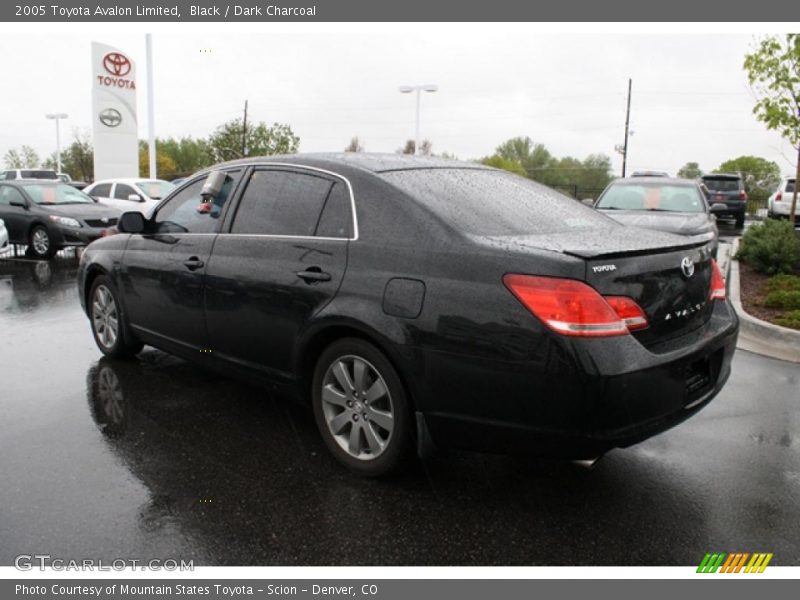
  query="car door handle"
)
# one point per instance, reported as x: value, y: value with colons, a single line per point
x: 313, y: 274
x: 193, y: 263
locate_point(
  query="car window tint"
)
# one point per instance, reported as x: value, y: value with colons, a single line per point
x: 186, y: 212
x: 790, y: 186
x: 489, y: 202
x: 336, y: 219
x: 8, y: 193
x: 102, y: 190
x: 652, y: 196
x: 281, y: 203
x: 122, y: 191
x: 722, y: 185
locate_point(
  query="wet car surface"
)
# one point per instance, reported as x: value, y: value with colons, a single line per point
x: 156, y: 458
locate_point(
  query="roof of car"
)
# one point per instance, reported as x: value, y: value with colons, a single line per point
x: 127, y: 180
x: 650, y: 180
x: 723, y: 175
x: 376, y: 163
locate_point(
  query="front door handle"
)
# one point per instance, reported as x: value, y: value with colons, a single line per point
x: 193, y: 263
x: 313, y: 274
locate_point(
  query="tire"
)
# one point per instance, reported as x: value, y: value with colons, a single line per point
x: 374, y: 446
x: 109, y: 327
x: 40, y: 243
x: 739, y: 221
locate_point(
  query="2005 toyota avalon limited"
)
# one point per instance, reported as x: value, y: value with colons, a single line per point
x: 418, y: 303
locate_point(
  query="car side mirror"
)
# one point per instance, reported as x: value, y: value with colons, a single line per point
x: 135, y: 198
x: 131, y: 222
x: 20, y: 203
x: 718, y: 207
x: 588, y: 202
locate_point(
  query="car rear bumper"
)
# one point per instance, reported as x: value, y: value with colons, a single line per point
x: 784, y: 209
x: 604, y: 393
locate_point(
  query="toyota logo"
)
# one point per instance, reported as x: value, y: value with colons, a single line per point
x: 110, y: 117
x: 687, y: 267
x: 117, y: 64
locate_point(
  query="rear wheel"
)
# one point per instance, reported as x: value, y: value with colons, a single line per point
x: 111, y: 332
x: 361, y: 408
x: 40, y: 243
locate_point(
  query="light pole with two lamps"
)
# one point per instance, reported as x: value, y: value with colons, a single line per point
x: 58, y: 117
x: 407, y: 89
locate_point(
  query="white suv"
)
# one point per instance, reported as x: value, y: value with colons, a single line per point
x: 28, y: 174
x: 780, y: 203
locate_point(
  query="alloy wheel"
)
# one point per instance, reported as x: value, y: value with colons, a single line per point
x: 41, y: 242
x: 104, y: 317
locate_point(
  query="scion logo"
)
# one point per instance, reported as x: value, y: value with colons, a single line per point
x: 110, y: 117
x: 687, y: 267
x: 117, y: 64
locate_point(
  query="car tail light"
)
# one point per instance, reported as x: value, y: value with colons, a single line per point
x: 778, y: 196
x: 742, y: 195
x: 717, y: 283
x: 574, y: 308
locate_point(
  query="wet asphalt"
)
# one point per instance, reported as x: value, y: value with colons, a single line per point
x: 155, y: 458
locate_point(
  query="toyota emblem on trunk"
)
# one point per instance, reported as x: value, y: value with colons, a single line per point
x: 687, y: 267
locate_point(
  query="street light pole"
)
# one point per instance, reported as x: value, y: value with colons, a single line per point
x: 57, y: 117
x: 407, y: 89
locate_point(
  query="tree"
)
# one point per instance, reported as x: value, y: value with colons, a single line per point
x: 23, y: 158
x: 691, y: 170
x: 409, y: 148
x: 165, y: 166
x: 498, y: 162
x: 187, y: 154
x: 596, y: 173
x: 534, y: 158
x: 773, y: 70
x: 77, y: 159
x: 761, y: 176
x: 354, y: 145
x: 259, y: 140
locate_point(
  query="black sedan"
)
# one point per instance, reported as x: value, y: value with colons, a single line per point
x: 665, y: 204
x: 417, y: 303
x: 50, y: 215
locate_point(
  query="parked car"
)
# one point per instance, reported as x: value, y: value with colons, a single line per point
x: 728, y: 189
x: 48, y: 216
x: 417, y: 302
x: 67, y: 178
x: 3, y: 235
x: 780, y: 203
x: 13, y: 174
x: 665, y: 204
x: 141, y: 195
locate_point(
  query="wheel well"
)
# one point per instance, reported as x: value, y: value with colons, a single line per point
x: 317, y: 345
x: 93, y: 273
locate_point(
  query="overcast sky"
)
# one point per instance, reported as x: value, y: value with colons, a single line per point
x: 690, y: 101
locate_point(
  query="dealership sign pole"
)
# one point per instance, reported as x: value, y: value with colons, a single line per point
x: 114, y: 123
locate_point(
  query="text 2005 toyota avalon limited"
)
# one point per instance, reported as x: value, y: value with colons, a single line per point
x: 420, y: 303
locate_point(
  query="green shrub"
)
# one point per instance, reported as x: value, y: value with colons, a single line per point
x: 771, y: 247
x: 789, y: 319
x: 789, y: 283
x: 783, y: 299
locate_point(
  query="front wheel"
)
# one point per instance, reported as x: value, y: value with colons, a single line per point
x: 111, y: 333
x: 40, y: 243
x: 361, y: 408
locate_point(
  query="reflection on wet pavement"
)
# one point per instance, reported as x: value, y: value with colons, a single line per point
x: 156, y: 458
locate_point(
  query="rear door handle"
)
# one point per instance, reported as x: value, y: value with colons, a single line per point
x: 313, y: 274
x: 193, y: 263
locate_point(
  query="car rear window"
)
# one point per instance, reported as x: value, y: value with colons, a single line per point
x: 790, y: 185
x: 724, y: 184
x: 485, y: 202
x: 37, y: 174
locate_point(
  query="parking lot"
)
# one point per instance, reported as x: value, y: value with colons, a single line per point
x: 155, y: 458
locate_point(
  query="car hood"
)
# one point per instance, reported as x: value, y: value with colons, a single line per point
x: 682, y: 223
x: 592, y: 243
x: 81, y: 211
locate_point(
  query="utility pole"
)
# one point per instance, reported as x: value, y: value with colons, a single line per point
x: 151, y: 120
x: 244, y: 132
x: 792, y: 216
x: 627, y: 123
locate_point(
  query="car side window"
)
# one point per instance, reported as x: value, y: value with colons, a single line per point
x: 8, y: 194
x: 102, y: 190
x: 185, y: 212
x: 336, y: 219
x: 281, y: 203
x: 122, y: 191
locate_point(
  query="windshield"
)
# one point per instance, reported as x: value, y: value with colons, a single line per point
x: 495, y: 203
x: 721, y: 185
x: 155, y: 189
x: 37, y: 174
x: 652, y: 196
x: 56, y: 194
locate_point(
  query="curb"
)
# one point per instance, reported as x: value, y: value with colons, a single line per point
x: 760, y: 336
